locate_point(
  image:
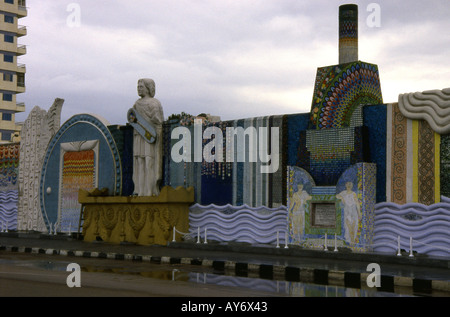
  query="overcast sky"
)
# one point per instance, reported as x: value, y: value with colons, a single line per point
x: 231, y: 58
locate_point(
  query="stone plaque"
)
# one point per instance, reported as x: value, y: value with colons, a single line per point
x: 323, y: 215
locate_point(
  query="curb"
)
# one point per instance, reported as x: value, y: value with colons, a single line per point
x: 264, y: 271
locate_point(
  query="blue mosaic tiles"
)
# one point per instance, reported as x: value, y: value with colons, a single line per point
x: 375, y: 122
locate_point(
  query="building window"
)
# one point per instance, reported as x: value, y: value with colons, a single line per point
x: 9, y: 19
x: 7, y: 97
x: 9, y: 38
x: 6, y: 116
x: 8, y: 77
x: 6, y: 136
x: 9, y: 1
x: 8, y: 58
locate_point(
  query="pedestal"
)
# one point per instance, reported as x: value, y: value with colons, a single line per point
x: 140, y: 220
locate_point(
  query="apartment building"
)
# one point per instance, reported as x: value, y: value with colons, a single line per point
x: 12, y: 73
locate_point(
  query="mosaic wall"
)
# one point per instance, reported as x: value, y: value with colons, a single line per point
x: 413, y: 160
x: 9, y: 167
x: 325, y: 154
x: 78, y: 171
x: 445, y: 165
x: 230, y: 181
x: 339, y: 90
x: 375, y: 122
x: 9, y: 170
x: 345, y: 210
x: 66, y: 164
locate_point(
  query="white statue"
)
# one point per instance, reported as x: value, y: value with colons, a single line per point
x: 147, y: 118
x: 298, y: 208
x: 352, y: 212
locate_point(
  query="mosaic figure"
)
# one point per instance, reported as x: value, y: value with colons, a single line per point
x: 297, y: 210
x: 147, y: 157
x: 352, y: 212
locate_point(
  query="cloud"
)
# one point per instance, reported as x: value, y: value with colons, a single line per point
x: 229, y: 58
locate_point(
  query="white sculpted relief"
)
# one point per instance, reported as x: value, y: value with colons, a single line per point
x: 37, y: 132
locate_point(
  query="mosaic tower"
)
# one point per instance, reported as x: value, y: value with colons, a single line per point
x: 340, y: 89
x: 348, y: 33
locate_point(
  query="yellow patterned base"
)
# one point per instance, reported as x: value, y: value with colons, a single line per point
x: 140, y: 220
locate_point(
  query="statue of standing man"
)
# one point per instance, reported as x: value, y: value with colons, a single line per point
x: 147, y: 118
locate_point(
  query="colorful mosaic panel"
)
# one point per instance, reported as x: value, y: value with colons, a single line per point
x: 339, y: 90
x: 78, y: 172
x: 230, y: 181
x: 326, y: 154
x: 426, y: 164
x: 351, y: 203
x: 9, y: 187
x: 445, y: 165
x: 9, y: 164
x: 399, y: 156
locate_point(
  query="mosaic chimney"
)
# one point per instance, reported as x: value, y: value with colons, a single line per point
x: 348, y: 33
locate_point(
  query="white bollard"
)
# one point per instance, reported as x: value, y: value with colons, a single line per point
x: 286, y: 240
x: 335, y: 243
x: 198, y: 235
x: 411, y: 255
x: 278, y: 239
x: 6, y: 226
x: 399, y: 253
x: 206, y: 239
x: 173, y: 240
x: 325, y: 247
x: 55, y: 228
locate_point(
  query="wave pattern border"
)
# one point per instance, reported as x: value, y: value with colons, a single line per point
x: 428, y: 226
x: 227, y: 223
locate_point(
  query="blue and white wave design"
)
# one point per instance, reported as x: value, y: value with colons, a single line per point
x: 429, y: 227
x: 239, y: 223
x: 8, y: 209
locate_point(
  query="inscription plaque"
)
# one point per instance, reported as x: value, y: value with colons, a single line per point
x: 323, y: 215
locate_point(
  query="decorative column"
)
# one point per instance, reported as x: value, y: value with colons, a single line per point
x: 348, y: 33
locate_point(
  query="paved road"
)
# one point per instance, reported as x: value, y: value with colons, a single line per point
x: 330, y: 266
x: 41, y: 275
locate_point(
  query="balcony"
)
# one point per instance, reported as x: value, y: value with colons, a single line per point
x: 21, y: 30
x: 21, y: 50
x: 20, y: 88
x: 20, y: 107
x: 21, y: 68
x: 22, y: 12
